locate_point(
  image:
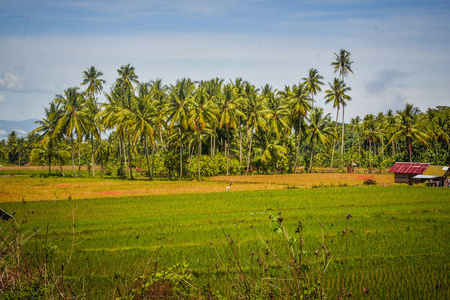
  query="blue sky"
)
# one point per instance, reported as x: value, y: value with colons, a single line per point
x: 400, y: 49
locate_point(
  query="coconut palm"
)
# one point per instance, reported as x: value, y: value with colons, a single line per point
x: 319, y: 130
x: 408, y: 127
x: 337, y: 95
x: 229, y: 115
x: 343, y: 64
x: 256, y: 113
x: 299, y: 104
x: 313, y: 83
x: 143, y: 111
x: 178, y: 110
x: 94, y: 83
x: 72, y: 120
x: 202, y: 115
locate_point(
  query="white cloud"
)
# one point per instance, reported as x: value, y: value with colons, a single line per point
x: 2, y: 132
x: 12, y: 82
x: 2, y: 99
x: 20, y: 131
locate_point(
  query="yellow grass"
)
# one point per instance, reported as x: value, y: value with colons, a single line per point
x: 308, y: 180
x: 16, y: 188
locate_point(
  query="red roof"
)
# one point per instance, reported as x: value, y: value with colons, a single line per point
x: 409, y: 168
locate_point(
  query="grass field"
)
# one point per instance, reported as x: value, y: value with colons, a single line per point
x: 397, y: 245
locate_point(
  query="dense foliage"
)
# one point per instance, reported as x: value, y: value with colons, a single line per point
x: 178, y: 130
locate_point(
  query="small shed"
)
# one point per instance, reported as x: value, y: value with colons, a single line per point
x: 437, y: 175
x: 405, y: 171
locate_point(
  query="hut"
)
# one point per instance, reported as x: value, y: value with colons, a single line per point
x: 437, y: 175
x: 405, y: 171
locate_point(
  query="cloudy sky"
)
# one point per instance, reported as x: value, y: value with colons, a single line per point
x: 400, y: 48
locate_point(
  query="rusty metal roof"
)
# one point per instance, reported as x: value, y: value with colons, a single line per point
x: 409, y: 168
x: 438, y: 171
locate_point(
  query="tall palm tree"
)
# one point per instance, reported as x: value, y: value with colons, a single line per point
x: 337, y: 95
x: 408, y: 127
x: 299, y: 104
x: 319, y: 130
x: 372, y: 133
x: 343, y: 65
x: 178, y: 110
x: 72, y: 119
x: 256, y: 113
x: 143, y: 111
x: 91, y: 78
x: 313, y: 83
x: 229, y: 115
x: 48, y: 137
x: 202, y: 115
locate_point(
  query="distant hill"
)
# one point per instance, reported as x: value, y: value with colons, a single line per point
x: 22, y: 128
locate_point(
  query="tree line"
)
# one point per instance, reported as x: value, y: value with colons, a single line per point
x: 217, y: 127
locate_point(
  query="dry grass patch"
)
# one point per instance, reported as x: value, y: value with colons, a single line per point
x: 309, y: 180
x: 16, y: 188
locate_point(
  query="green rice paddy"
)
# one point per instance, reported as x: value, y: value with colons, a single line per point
x: 398, y: 236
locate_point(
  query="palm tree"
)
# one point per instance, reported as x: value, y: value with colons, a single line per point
x: 202, y: 115
x: 299, y: 105
x: 337, y: 95
x: 343, y: 65
x: 356, y: 127
x: 229, y: 115
x: 313, y: 83
x: 47, y: 132
x: 143, y: 123
x: 72, y: 119
x: 372, y: 133
x: 407, y: 127
x: 256, y: 116
x: 178, y: 110
x: 319, y: 130
x: 94, y: 83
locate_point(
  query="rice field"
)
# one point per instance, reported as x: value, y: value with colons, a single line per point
x: 395, y: 245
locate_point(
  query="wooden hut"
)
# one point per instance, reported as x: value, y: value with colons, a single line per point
x: 404, y: 171
x: 437, y: 175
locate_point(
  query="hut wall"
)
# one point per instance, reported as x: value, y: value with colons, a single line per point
x: 402, y: 178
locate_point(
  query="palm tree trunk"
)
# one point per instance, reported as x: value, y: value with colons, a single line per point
x: 240, y: 144
x: 121, y: 158
x: 334, y: 139
x: 49, y: 164
x: 73, y: 158
x: 249, y: 151
x: 199, y: 154
x: 312, y: 155
x: 129, y: 159
x: 370, y: 156
x: 101, y: 154
x: 60, y: 163
x: 153, y: 160
x: 298, y: 143
x: 92, y: 144
x: 181, y: 152
x: 410, y: 148
x: 125, y: 159
x: 146, y: 156
x: 342, y: 146
x: 227, y: 148
x: 79, y: 158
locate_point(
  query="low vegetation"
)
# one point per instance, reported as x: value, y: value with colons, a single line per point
x: 382, y: 242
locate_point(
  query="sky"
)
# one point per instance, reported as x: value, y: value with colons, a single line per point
x: 400, y: 49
